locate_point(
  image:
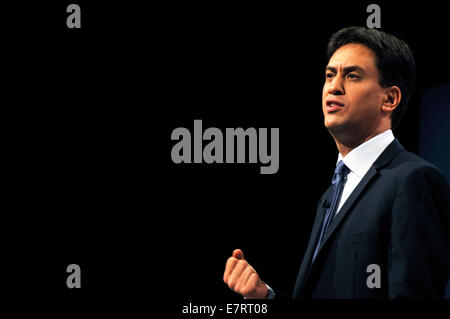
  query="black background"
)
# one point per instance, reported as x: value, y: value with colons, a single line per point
x: 93, y: 112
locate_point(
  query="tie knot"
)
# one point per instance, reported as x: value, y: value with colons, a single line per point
x: 341, y: 170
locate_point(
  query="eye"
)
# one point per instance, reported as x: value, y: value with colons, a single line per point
x: 353, y: 76
x: 329, y: 75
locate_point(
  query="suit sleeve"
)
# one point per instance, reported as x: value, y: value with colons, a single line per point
x: 419, y: 253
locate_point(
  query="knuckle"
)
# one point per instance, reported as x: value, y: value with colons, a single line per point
x: 257, y: 279
x: 231, y: 283
x: 247, y: 291
x: 237, y: 285
x: 232, y: 259
x: 250, y: 289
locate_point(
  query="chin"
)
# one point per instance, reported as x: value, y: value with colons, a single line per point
x: 330, y: 124
x: 334, y: 126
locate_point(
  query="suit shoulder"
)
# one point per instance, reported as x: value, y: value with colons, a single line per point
x: 409, y: 166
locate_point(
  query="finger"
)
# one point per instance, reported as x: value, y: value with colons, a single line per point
x: 237, y: 253
x: 233, y: 279
x: 249, y: 274
x: 231, y: 263
x: 244, y: 277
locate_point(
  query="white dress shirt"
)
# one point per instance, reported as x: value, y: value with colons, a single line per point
x: 359, y: 161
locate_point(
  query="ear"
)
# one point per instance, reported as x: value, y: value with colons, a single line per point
x: 392, y: 99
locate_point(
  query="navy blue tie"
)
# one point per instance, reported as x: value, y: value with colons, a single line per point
x: 338, y: 182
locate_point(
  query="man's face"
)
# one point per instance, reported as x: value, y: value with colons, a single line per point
x: 352, y: 96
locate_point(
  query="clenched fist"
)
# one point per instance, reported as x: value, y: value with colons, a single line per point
x: 242, y: 278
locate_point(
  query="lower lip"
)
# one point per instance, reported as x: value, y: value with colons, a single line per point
x: 333, y: 108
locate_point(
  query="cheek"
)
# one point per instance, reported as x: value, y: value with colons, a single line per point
x: 324, y: 96
x: 365, y: 99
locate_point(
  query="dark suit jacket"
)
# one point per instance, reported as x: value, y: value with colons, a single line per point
x: 398, y: 217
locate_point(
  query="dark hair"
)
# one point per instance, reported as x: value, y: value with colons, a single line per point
x: 394, y: 61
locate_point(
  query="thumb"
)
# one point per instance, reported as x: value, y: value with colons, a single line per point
x: 237, y: 253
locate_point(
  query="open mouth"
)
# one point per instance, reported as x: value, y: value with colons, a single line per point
x: 333, y: 105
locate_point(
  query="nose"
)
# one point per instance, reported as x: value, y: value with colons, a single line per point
x: 336, y: 86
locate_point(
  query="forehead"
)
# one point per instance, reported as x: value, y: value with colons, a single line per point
x: 353, y: 54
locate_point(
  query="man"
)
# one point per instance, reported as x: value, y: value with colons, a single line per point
x: 387, y: 210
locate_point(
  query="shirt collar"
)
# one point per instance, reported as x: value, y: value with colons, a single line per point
x: 361, y: 158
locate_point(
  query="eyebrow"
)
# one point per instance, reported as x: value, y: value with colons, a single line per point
x: 347, y: 69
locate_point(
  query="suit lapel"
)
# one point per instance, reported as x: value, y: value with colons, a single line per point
x: 306, y: 263
x: 315, y: 233
x: 348, y: 204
